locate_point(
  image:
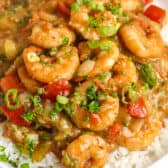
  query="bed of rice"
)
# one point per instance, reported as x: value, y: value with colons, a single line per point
x: 120, y: 158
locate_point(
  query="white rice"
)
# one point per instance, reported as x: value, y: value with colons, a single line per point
x: 120, y: 158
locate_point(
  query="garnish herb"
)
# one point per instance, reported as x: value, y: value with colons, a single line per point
x: 91, y: 92
x: 53, y: 51
x: 65, y: 41
x: 62, y: 99
x: 12, y: 95
x: 30, y: 146
x: 102, y: 76
x: 127, y: 96
x: 107, y: 31
x: 115, y: 94
x: 36, y: 100
x: 96, y: 6
x: 24, y: 165
x: 148, y: 74
x: 92, y: 22
x: 3, y: 158
x: 86, y: 118
x: 40, y: 91
x: 2, y: 148
x: 94, y: 106
x: 29, y: 116
x: 75, y: 7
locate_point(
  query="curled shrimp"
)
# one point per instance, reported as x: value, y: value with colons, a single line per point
x: 124, y: 72
x: 48, y: 69
x: 30, y: 84
x: 129, y: 5
x: 102, y: 64
x: 92, y: 24
x: 86, y: 151
x: 95, y: 121
x: 141, y: 36
x: 47, y: 36
x: 144, y: 133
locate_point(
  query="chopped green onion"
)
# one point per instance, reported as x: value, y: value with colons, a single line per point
x: 36, y: 100
x: 115, y: 9
x: 102, y: 76
x: 65, y: 41
x: 93, y: 22
x: 30, y: 146
x: 94, y: 106
x: 86, y: 118
x: 148, y: 74
x: 52, y: 114
x: 58, y: 107
x: 115, y: 94
x: 107, y: 31
x: 128, y: 89
x: 53, y: 51
x: 84, y: 104
x: 105, y: 45
x: 102, y: 96
x: 24, y: 165
x: 14, y: 96
x: 93, y: 5
x: 3, y: 158
x: 40, y: 91
x: 93, y: 44
x: 91, y: 92
x: 29, y: 116
x: 62, y: 99
x: 75, y: 7
x: 2, y: 148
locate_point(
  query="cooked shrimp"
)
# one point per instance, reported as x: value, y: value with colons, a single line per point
x: 48, y: 69
x: 96, y: 121
x: 141, y: 36
x: 30, y: 84
x: 129, y: 5
x: 124, y: 72
x: 86, y: 151
x: 20, y: 134
x: 144, y: 134
x: 47, y: 36
x: 93, y: 26
x: 104, y: 62
x: 58, y: 121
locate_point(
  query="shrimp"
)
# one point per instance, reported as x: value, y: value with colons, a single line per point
x: 20, y: 134
x: 47, y: 36
x: 95, y: 121
x: 58, y: 121
x: 129, y: 5
x: 86, y: 151
x: 124, y: 72
x: 104, y: 62
x: 48, y: 69
x: 92, y: 27
x: 141, y: 36
x: 144, y: 134
x: 30, y: 84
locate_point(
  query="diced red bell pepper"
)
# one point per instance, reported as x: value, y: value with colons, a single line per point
x: 15, y: 116
x: 61, y: 87
x: 155, y: 13
x: 10, y: 81
x: 138, y: 109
